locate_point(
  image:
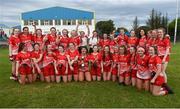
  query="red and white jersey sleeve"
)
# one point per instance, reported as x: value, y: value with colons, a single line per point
x: 72, y: 54
x: 27, y: 39
x: 24, y: 58
x: 162, y: 45
x: 48, y: 58
x: 14, y: 43
x: 153, y: 63
x: 61, y: 59
x: 133, y: 41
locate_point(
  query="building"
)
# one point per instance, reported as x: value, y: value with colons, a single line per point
x: 59, y: 17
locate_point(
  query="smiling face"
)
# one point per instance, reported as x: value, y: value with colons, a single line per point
x: 26, y: 30
x: 154, y: 34
x: 106, y: 49
x: 83, y: 51
x: 142, y: 33
x: 116, y: 49
x: 38, y: 32
x: 49, y: 48
x: 61, y: 49
x: 105, y: 36
x: 16, y: 32
x: 71, y: 46
x: 141, y: 51
x: 132, y: 33
x: 151, y: 51
x: 122, y: 50
x: 36, y: 47
x: 160, y: 33
x: 132, y: 50
x: 53, y: 31
x: 95, y: 49
x: 65, y: 32
x: 122, y: 31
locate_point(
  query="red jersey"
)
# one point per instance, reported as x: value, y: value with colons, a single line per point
x: 162, y: 45
x: 122, y: 39
x: 27, y: 39
x: 142, y: 42
x: 83, y: 62
x: 38, y: 39
x: 111, y: 45
x: 76, y: 40
x: 48, y: 58
x: 96, y: 58
x: 14, y: 43
x: 52, y: 40
x: 72, y: 54
x: 142, y: 67
x: 153, y: 62
x: 133, y: 41
x: 64, y: 41
x: 124, y: 63
x: 61, y: 58
x: 36, y: 54
x: 104, y: 42
x: 107, y: 60
x: 24, y: 58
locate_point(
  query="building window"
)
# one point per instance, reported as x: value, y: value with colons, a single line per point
x: 25, y: 22
x: 84, y: 22
x: 69, y: 22
x: 57, y: 22
x: 46, y: 22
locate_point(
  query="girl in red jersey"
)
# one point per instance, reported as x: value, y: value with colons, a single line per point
x: 37, y: 62
x: 112, y: 43
x: 23, y: 64
x: 115, y: 57
x: 132, y: 40
x: 152, y: 41
x: 84, y: 65
x: 93, y: 41
x: 124, y: 71
x: 38, y: 37
x: 49, y: 67
x: 13, y: 51
x: 155, y: 68
x: 133, y: 69
x: 64, y: 39
x: 96, y: 64
x: 75, y: 38
x: 143, y: 39
x: 163, y: 46
x: 26, y: 37
x: 61, y: 65
x: 122, y: 38
x: 107, y: 63
x: 104, y: 42
x: 52, y: 38
x: 143, y: 75
x: 72, y: 57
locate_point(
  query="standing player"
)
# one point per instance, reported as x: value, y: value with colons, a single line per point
x: 143, y: 39
x: 23, y: 64
x: 13, y: 51
x: 26, y: 37
x: 49, y: 69
x: 107, y: 63
x: 61, y: 65
x: 122, y: 38
x: 124, y: 71
x: 72, y: 57
x: 83, y: 62
x: 115, y: 58
x: 96, y: 64
x: 143, y: 75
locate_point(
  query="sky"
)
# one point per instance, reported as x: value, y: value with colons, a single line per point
x: 122, y: 12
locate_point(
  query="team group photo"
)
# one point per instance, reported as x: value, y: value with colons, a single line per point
x: 63, y: 57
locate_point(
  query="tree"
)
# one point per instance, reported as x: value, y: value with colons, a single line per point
x: 135, y: 24
x: 171, y: 28
x: 157, y: 20
x: 105, y: 26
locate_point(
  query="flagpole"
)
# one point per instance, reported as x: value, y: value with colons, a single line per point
x: 175, y: 30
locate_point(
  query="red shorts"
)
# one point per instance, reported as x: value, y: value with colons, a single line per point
x: 75, y: 71
x: 61, y: 70
x: 107, y: 68
x: 133, y: 73
x: 125, y: 74
x: 114, y: 71
x: 167, y: 58
x: 96, y: 71
x: 25, y: 70
x: 48, y: 70
x: 159, y: 81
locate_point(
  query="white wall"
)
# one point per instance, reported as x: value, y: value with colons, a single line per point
x: 46, y: 28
